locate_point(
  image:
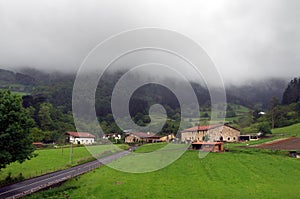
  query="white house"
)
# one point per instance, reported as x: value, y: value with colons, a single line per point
x: 116, y: 136
x: 80, y: 137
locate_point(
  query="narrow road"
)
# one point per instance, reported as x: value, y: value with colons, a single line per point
x: 34, y: 184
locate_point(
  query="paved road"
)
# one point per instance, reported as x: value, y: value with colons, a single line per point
x: 29, y: 186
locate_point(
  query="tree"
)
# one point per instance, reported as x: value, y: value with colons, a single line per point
x: 15, y: 123
x: 265, y: 128
x: 230, y: 114
x: 36, y: 134
x: 273, y: 109
x: 45, y: 120
x: 292, y: 92
x: 297, y: 108
x: 146, y: 119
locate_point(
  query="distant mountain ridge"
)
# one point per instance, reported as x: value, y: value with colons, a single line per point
x: 9, y: 77
x: 58, y: 88
x: 257, y: 94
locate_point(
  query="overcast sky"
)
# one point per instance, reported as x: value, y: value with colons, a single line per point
x: 246, y: 39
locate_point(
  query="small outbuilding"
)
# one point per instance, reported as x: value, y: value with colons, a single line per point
x: 208, y: 146
x: 38, y: 144
x: 245, y: 138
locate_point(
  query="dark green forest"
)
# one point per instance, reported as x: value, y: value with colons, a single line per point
x: 292, y: 92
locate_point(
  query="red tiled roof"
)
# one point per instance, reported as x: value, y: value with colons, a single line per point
x: 37, y: 142
x: 202, y: 128
x: 81, y: 134
x: 210, y: 143
x: 144, y: 135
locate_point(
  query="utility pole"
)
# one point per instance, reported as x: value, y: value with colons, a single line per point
x: 71, y: 153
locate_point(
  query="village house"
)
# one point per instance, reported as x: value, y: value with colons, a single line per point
x: 115, y: 136
x: 80, y: 138
x: 213, y: 133
x: 167, y: 138
x: 134, y: 137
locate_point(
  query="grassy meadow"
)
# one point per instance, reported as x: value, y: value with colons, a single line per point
x: 49, y: 160
x: 277, y: 133
x: 293, y: 130
x: 238, y: 109
x: 241, y: 173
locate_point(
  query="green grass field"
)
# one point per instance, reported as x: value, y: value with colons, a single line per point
x: 242, y: 173
x: 293, y: 130
x: 238, y: 109
x: 277, y: 133
x: 150, y: 147
x: 49, y: 160
x: 239, y: 173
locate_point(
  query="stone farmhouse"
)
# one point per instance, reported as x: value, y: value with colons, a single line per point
x: 80, y: 137
x: 212, y: 133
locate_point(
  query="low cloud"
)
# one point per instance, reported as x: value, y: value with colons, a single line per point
x: 246, y: 39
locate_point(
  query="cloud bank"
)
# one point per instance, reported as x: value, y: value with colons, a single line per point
x: 245, y: 39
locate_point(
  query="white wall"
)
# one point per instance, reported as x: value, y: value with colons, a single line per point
x: 82, y: 140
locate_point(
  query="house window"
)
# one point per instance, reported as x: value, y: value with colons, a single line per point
x: 228, y: 138
x: 233, y: 138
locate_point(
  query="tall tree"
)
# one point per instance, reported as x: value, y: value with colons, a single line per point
x: 292, y: 92
x: 273, y: 106
x: 15, y: 123
x: 45, y: 120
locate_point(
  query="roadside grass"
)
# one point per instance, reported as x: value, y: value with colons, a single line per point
x: 242, y: 173
x: 146, y: 148
x: 50, y: 160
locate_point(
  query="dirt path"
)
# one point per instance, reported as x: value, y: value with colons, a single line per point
x: 291, y: 143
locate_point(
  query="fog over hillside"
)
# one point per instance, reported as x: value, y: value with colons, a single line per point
x: 255, y: 94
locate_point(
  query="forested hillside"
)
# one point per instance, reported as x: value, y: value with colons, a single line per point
x: 292, y: 92
x: 48, y: 96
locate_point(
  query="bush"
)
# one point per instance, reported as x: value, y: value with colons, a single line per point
x: 265, y: 128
